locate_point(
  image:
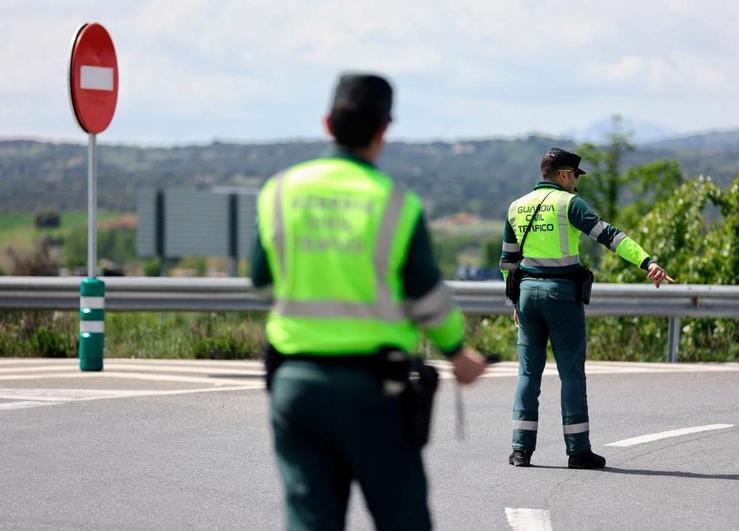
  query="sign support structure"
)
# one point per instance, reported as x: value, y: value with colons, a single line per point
x: 93, y: 93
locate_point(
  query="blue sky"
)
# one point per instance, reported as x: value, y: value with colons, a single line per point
x: 198, y: 70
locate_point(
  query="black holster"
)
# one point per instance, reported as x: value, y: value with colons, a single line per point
x: 272, y: 362
x: 513, y: 283
x: 584, y: 279
x: 419, y: 383
x: 417, y: 402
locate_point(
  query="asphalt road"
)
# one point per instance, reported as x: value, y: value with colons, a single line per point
x: 186, y: 445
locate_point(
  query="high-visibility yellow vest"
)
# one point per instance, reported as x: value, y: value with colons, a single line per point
x: 336, y: 234
x: 552, y: 240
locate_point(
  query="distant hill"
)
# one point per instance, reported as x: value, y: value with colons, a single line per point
x: 716, y: 141
x: 480, y: 177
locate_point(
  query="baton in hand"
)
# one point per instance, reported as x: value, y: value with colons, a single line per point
x: 460, y: 424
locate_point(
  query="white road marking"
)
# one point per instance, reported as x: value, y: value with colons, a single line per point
x: 220, y: 373
x: 63, y: 395
x: 667, y: 434
x: 25, y: 404
x: 509, y: 369
x: 127, y: 375
x: 528, y: 519
x: 251, y: 371
x: 27, y: 398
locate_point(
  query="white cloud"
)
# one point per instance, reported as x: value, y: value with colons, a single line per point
x: 262, y: 69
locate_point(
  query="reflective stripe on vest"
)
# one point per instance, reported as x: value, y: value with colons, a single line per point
x: 598, y: 229
x: 564, y: 239
x: 431, y: 309
x: 551, y: 262
x: 511, y: 247
x: 279, y: 227
x: 384, y: 308
x: 621, y: 236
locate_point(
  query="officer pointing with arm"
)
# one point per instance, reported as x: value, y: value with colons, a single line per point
x: 550, y: 303
x: 354, y: 280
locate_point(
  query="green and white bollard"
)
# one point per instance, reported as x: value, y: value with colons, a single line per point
x: 92, y: 324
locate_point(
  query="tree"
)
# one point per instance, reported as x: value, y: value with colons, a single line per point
x: 622, y: 199
x: 678, y: 235
x: 603, y: 186
x: 694, y: 249
x: 649, y: 184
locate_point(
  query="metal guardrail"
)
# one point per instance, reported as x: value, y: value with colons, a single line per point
x: 475, y: 298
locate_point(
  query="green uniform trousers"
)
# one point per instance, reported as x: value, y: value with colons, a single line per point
x: 333, y: 425
x: 548, y: 309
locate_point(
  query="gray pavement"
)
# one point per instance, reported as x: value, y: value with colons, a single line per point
x: 186, y: 445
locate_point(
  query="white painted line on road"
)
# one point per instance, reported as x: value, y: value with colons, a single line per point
x: 36, y: 361
x: 28, y: 398
x: 129, y: 375
x: 62, y: 395
x: 25, y: 404
x: 185, y: 369
x: 190, y: 363
x: 37, y: 368
x: 171, y: 378
x: 528, y: 519
x: 667, y: 434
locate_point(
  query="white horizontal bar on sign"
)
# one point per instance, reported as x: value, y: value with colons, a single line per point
x: 667, y: 434
x: 96, y: 77
x: 93, y: 303
x: 92, y: 327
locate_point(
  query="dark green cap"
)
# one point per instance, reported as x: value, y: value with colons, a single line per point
x: 363, y: 92
x: 559, y: 159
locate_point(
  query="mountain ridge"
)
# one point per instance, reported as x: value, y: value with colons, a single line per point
x: 479, y: 176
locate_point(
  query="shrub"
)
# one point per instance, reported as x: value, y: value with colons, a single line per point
x: 47, y: 343
x: 48, y: 218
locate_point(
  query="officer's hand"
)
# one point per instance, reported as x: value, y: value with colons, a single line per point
x: 657, y: 274
x: 515, y: 317
x: 468, y: 365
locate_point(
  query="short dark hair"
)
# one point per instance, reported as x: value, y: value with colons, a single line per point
x: 355, y: 128
x: 549, y: 167
x: 360, y: 108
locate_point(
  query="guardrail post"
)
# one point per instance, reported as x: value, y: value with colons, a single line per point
x: 673, y: 339
x: 92, y: 324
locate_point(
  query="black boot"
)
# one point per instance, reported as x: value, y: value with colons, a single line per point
x: 520, y: 458
x: 586, y: 460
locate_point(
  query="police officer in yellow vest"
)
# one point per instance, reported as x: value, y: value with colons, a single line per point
x: 349, y: 257
x: 550, y: 305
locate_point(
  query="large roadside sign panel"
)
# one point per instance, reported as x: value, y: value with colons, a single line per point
x: 93, y: 78
x: 195, y: 223
x: 178, y: 223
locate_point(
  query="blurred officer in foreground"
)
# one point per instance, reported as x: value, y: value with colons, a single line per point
x: 541, y: 263
x: 354, y: 278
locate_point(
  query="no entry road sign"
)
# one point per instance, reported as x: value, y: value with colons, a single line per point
x: 93, y: 92
x: 93, y: 78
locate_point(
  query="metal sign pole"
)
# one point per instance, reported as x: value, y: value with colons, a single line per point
x: 92, y: 196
